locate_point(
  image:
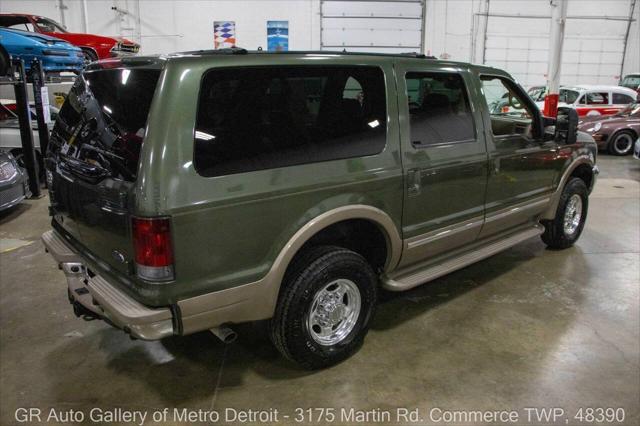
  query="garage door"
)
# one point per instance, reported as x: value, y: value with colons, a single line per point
x: 587, y: 59
x: 372, y: 26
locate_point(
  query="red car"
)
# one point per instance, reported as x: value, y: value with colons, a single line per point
x: 94, y: 46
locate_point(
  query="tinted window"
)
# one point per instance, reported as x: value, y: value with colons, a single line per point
x: 262, y: 118
x: 439, y: 109
x: 104, y: 117
x: 620, y: 98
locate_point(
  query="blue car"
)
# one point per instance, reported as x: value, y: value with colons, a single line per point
x: 56, y: 55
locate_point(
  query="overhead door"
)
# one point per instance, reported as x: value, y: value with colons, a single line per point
x: 391, y: 26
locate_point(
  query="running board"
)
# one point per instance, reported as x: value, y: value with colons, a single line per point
x: 401, y: 282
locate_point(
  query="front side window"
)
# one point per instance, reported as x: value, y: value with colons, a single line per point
x: 510, y: 114
x: 439, y: 109
x: 263, y: 118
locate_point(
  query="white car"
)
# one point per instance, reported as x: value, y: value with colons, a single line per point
x: 636, y: 150
x: 590, y: 100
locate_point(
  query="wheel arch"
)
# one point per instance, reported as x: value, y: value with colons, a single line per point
x: 258, y: 300
x: 581, y: 167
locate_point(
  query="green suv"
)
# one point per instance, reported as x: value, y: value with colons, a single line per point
x: 199, y: 190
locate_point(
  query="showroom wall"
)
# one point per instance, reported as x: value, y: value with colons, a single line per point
x: 513, y: 37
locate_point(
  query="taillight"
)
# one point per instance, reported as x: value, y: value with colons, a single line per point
x: 153, y: 248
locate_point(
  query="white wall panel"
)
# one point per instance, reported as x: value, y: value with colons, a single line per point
x: 453, y: 29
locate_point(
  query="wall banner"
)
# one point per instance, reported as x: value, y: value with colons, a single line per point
x: 224, y: 34
x: 278, y: 36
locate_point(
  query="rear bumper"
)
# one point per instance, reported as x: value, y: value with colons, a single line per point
x: 103, y: 299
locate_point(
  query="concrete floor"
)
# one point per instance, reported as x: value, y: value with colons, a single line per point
x: 526, y: 328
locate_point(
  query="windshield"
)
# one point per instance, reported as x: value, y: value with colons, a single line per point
x: 568, y: 96
x: 49, y: 26
x: 631, y: 81
x: 537, y: 93
x: 630, y: 110
x: 103, y: 120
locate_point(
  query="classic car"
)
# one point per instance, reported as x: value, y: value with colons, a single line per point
x: 93, y: 46
x: 632, y: 81
x: 55, y: 55
x: 589, y: 100
x: 14, y: 183
x: 615, y: 133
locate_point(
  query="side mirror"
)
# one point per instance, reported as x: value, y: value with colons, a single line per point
x: 566, y: 126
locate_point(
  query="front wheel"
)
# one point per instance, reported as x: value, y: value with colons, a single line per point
x: 565, y: 229
x: 325, y: 306
x: 622, y: 143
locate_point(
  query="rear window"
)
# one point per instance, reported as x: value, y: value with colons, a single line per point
x: 262, y: 118
x: 103, y: 120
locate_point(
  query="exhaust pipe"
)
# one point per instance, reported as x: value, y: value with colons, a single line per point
x: 225, y: 334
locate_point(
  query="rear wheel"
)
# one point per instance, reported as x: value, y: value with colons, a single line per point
x: 325, y: 306
x: 565, y: 229
x: 622, y: 143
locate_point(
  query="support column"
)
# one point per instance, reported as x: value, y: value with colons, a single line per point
x: 556, y: 40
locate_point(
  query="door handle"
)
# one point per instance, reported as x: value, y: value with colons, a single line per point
x: 413, y: 183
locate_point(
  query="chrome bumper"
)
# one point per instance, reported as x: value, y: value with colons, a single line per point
x: 105, y: 300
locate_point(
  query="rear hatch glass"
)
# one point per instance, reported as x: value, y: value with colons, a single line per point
x: 93, y: 158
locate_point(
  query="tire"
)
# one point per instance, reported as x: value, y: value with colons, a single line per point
x: 574, y: 195
x: 89, y: 56
x: 321, y: 274
x: 622, y: 143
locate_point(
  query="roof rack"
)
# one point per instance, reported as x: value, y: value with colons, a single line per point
x: 241, y: 51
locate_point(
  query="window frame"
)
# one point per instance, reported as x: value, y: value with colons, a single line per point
x: 306, y: 66
x: 470, y: 103
x: 537, y: 124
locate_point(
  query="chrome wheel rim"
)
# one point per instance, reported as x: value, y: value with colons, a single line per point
x: 334, y: 312
x: 572, y: 214
x: 623, y: 144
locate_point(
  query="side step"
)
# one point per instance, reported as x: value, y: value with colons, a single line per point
x: 401, y: 282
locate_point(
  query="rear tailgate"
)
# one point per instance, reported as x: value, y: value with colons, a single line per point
x: 93, y: 159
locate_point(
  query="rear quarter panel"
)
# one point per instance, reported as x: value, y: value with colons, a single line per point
x: 228, y: 230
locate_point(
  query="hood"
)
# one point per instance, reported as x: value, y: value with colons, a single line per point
x: 80, y: 38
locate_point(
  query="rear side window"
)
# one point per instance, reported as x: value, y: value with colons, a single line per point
x: 439, y: 109
x: 263, y: 118
x: 597, y: 98
x: 621, y: 98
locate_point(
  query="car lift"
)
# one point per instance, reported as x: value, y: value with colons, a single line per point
x: 18, y: 80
